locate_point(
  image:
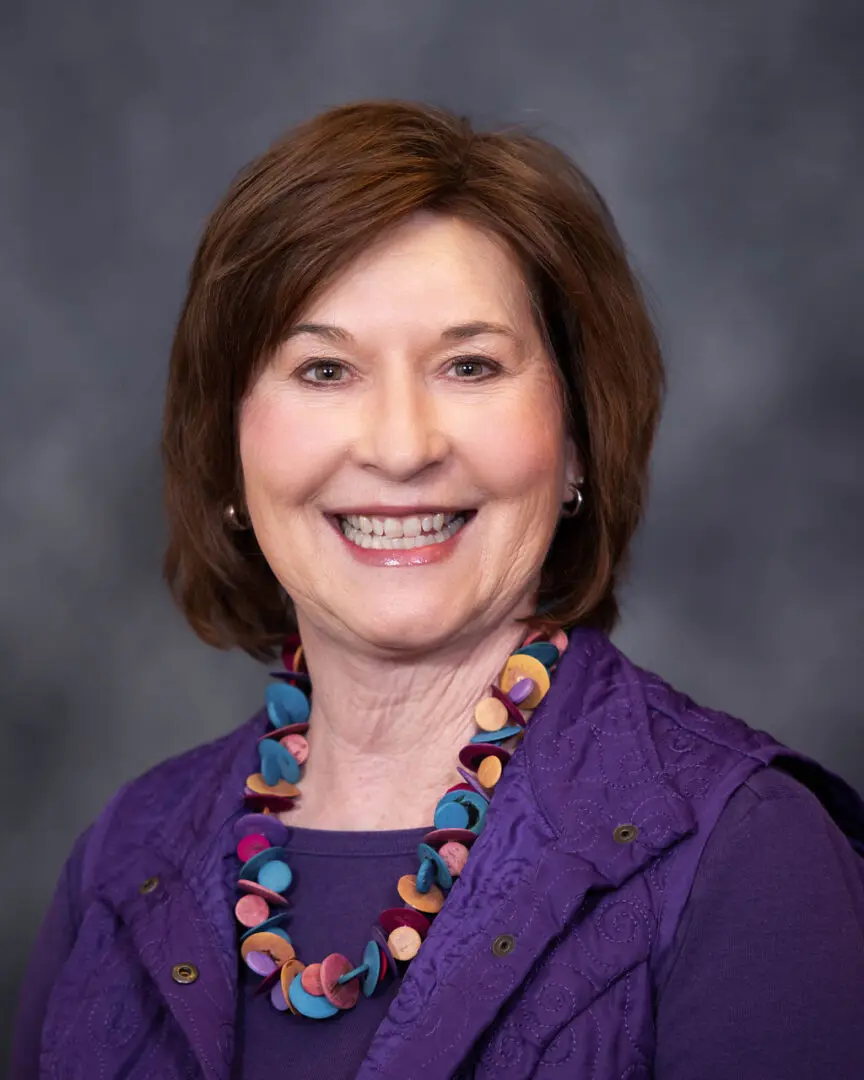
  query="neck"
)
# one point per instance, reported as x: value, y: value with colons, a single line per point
x: 385, y: 733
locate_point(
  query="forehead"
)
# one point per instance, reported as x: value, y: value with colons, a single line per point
x: 430, y: 270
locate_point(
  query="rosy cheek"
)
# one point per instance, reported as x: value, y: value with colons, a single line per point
x: 287, y: 451
x: 519, y: 453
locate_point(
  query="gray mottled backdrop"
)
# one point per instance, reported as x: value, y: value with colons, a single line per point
x: 728, y: 138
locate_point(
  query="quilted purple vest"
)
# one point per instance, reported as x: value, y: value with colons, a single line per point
x: 591, y: 907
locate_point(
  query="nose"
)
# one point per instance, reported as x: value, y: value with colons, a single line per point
x: 400, y: 432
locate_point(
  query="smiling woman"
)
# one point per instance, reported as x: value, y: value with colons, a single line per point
x: 408, y: 427
x: 411, y: 400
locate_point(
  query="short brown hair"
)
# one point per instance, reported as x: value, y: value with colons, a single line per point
x: 301, y: 212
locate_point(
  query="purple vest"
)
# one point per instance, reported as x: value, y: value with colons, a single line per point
x: 540, y: 962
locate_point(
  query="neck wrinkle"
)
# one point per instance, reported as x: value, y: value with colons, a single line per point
x: 385, y: 735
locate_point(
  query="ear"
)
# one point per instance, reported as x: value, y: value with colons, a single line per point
x: 574, y: 471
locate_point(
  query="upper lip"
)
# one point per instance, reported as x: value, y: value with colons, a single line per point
x: 398, y: 511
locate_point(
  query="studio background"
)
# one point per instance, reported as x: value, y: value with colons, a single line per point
x: 727, y: 139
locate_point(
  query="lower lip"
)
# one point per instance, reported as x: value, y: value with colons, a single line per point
x: 431, y: 553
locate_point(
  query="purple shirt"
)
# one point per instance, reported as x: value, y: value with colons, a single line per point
x: 727, y: 940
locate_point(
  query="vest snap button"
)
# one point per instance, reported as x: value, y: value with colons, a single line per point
x: 625, y: 834
x: 148, y: 886
x: 503, y: 945
x: 184, y: 973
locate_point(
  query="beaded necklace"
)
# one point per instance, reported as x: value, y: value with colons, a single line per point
x: 321, y: 990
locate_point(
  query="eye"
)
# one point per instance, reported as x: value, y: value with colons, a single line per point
x: 331, y: 371
x: 473, y: 366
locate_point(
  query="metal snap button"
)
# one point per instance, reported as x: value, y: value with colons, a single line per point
x: 148, y: 886
x: 625, y: 834
x: 503, y: 945
x: 184, y: 973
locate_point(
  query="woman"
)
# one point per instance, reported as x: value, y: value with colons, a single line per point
x: 412, y: 396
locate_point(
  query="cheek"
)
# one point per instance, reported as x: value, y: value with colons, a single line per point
x: 519, y: 451
x: 273, y: 440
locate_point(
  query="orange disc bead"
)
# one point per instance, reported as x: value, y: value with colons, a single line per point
x: 490, y: 771
x: 431, y: 901
x: 404, y: 942
x: 281, y: 950
x: 491, y: 714
x: 256, y: 782
x: 289, y: 970
x: 522, y: 666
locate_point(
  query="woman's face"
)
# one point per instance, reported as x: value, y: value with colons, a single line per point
x: 419, y: 387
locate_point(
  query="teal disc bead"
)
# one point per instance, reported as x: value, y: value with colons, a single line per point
x: 286, y: 704
x: 270, y: 924
x: 443, y: 877
x: 372, y: 963
x: 425, y: 876
x: 315, y: 1006
x: 450, y: 816
x: 353, y: 974
x: 275, y: 876
x: 472, y: 804
x: 277, y: 762
x: 544, y: 651
x: 250, y: 870
x: 497, y: 736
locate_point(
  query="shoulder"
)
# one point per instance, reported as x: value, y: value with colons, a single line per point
x: 776, y: 828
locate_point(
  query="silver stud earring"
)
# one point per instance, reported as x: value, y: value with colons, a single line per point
x: 233, y: 519
x: 572, y: 508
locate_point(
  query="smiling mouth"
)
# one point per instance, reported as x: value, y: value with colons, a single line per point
x: 401, y: 534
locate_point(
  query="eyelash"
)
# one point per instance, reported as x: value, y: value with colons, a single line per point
x: 338, y: 363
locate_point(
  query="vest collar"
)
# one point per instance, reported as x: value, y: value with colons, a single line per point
x: 549, y: 840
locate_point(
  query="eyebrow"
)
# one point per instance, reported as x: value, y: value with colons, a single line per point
x: 461, y: 332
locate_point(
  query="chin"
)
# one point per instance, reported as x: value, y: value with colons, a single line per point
x: 414, y: 628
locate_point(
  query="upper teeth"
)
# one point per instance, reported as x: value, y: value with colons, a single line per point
x: 396, y: 527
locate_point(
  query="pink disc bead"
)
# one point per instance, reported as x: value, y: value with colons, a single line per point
x: 251, y: 845
x: 297, y: 745
x: 310, y: 980
x: 455, y: 855
x: 251, y: 910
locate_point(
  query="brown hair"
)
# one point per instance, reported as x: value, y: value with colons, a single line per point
x: 301, y: 212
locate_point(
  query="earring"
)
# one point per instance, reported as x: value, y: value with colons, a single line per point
x: 232, y: 518
x: 570, y: 510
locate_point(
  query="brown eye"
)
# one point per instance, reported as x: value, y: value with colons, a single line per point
x: 471, y: 367
x: 329, y: 371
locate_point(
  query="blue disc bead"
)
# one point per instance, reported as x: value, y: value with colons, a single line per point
x: 286, y: 704
x: 443, y: 877
x: 275, y: 876
x: 425, y: 876
x: 372, y: 963
x: 544, y: 651
x: 277, y: 763
x: 315, y: 1006
x: 497, y: 736
x: 450, y: 816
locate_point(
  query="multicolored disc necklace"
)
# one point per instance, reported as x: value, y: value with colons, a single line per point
x: 321, y: 990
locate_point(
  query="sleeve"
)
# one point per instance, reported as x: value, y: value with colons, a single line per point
x: 766, y: 978
x: 51, y: 949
